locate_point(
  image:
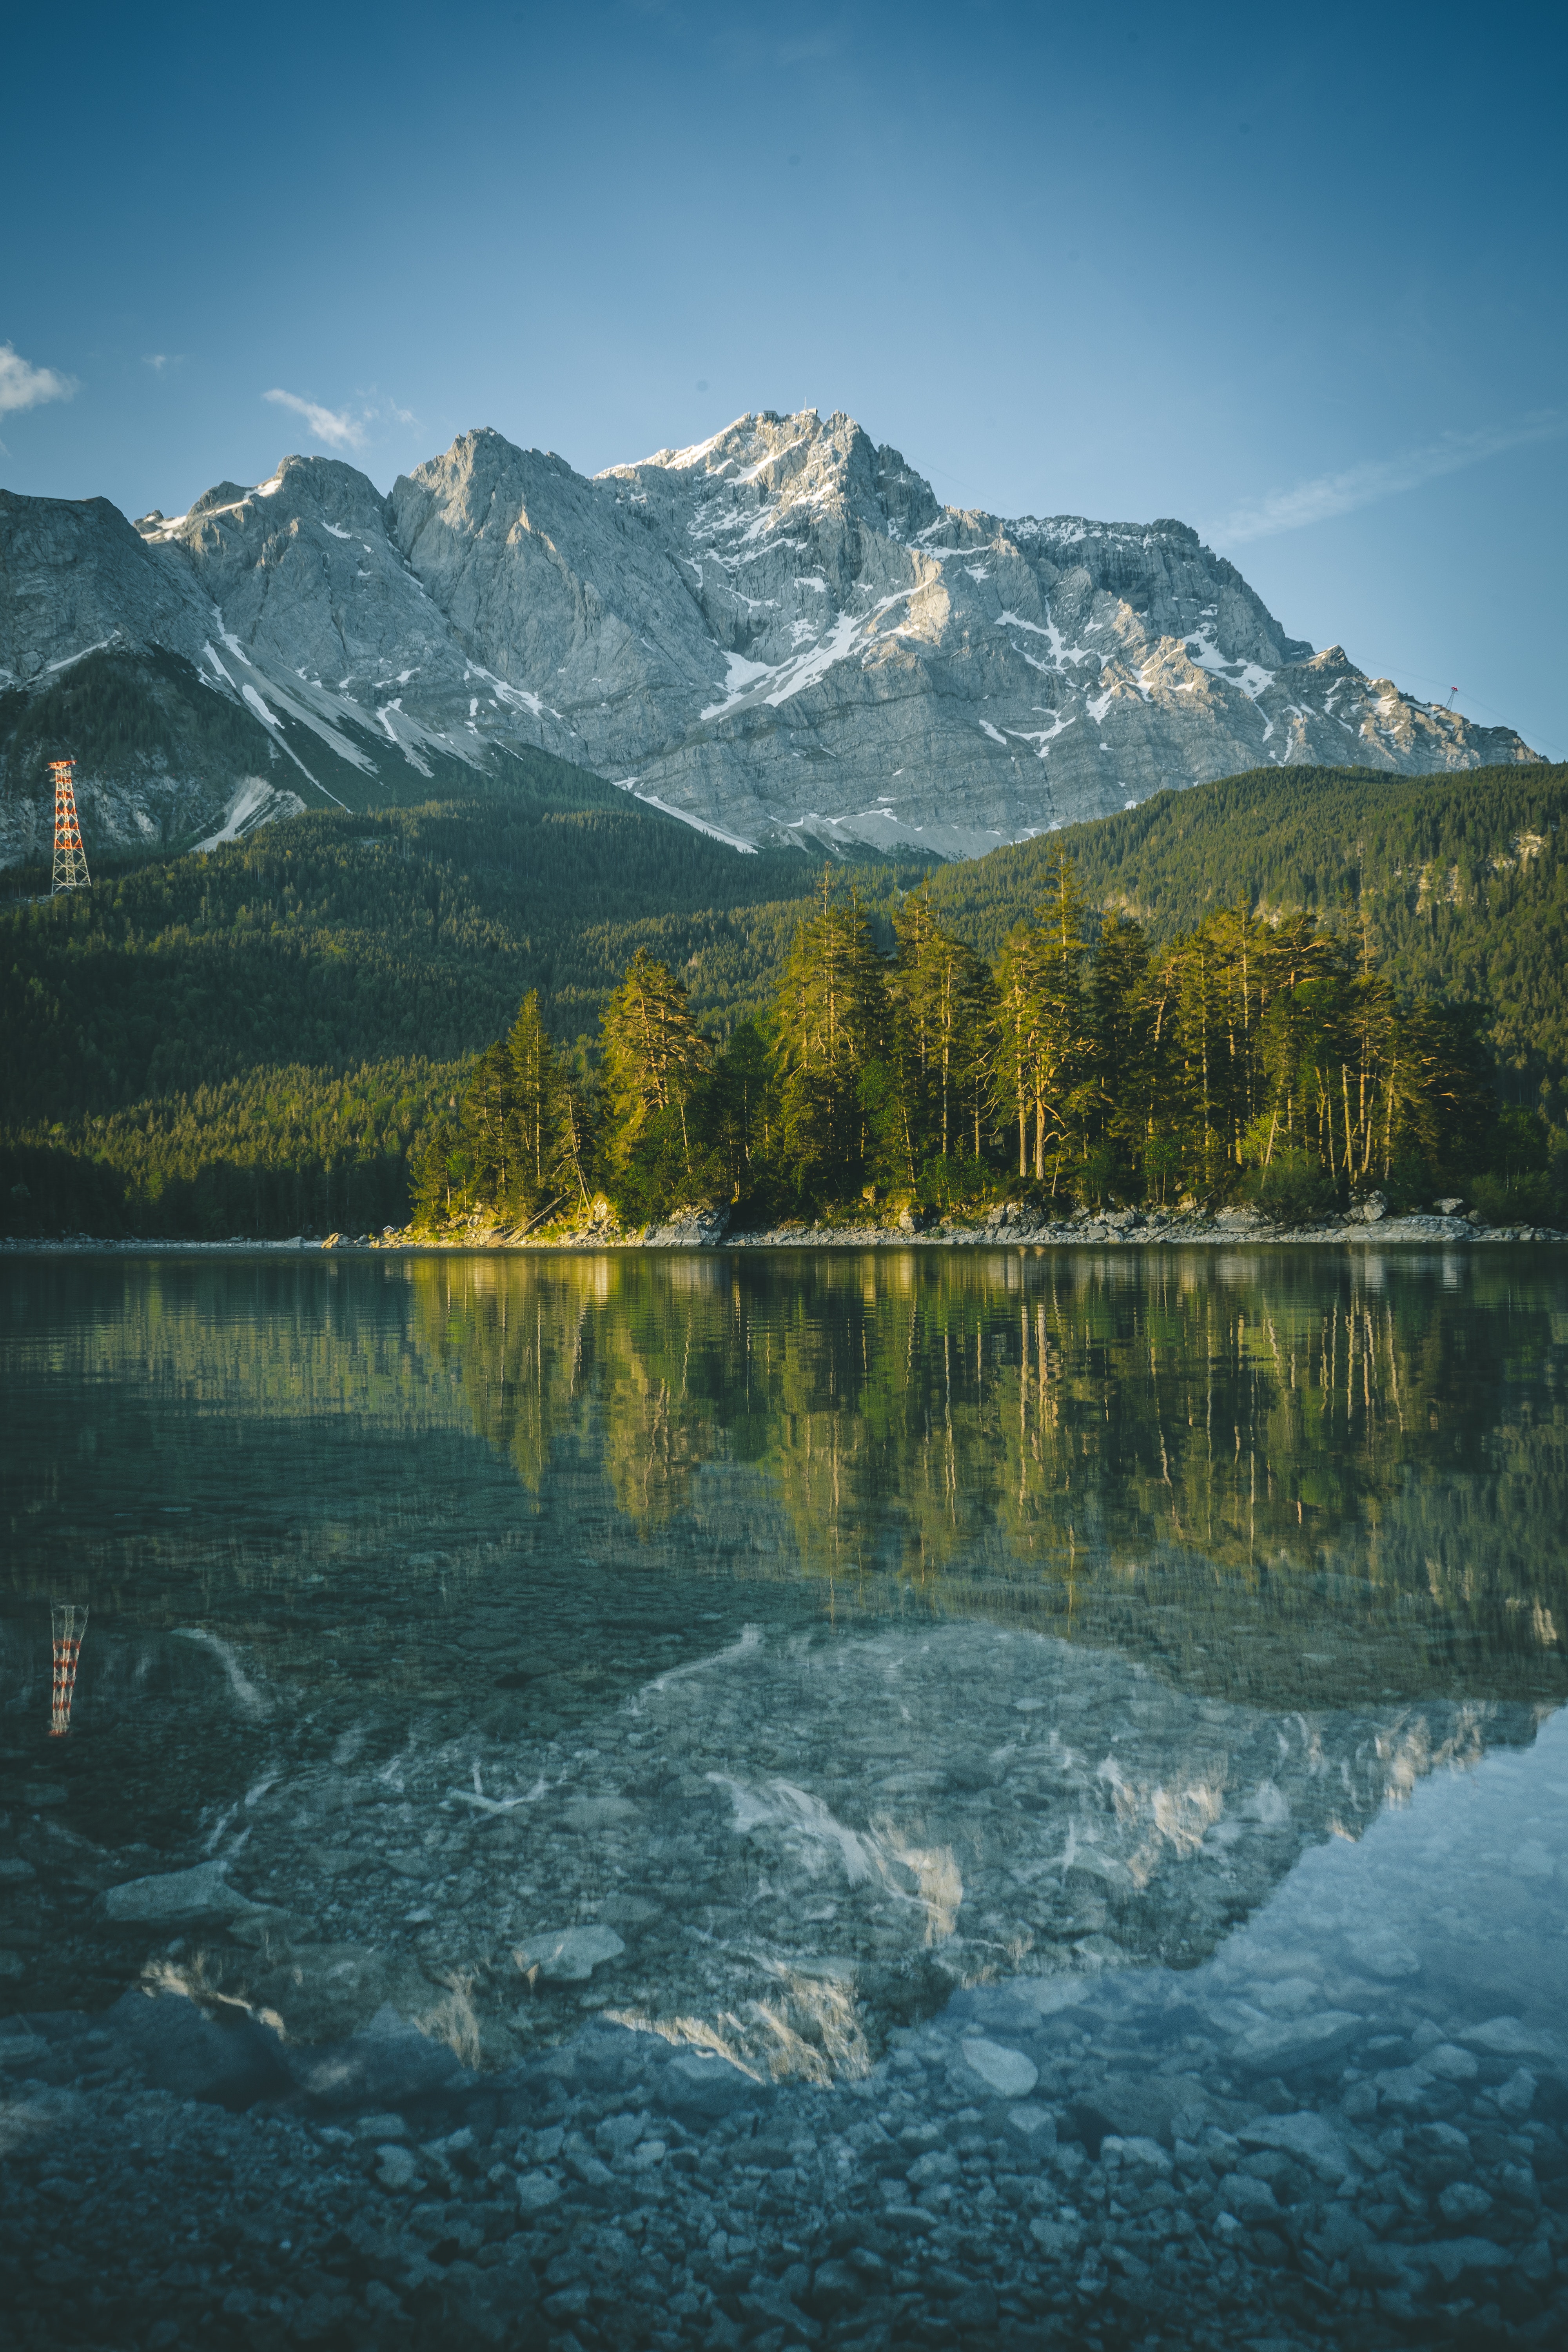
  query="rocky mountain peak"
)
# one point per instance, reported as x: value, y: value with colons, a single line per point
x: 775, y: 631
x: 223, y: 494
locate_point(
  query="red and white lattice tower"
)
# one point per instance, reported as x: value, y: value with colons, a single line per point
x: 70, y: 857
x: 68, y: 1624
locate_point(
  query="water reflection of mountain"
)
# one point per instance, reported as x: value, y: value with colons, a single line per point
x: 375, y: 1549
x: 781, y: 1849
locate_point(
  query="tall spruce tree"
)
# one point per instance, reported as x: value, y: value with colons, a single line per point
x: 1120, y: 1016
x: 536, y: 1089
x: 653, y: 1053
x: 489, y: 1130
x: 827, y: 1028
x: 941, y: 996
x: 1044, y: 1045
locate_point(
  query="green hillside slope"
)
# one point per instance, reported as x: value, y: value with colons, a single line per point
x: 1464, y: 877
x: 331, y: 941
x: 252, y: 1039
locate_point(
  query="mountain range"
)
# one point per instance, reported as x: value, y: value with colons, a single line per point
x: 779, y: 633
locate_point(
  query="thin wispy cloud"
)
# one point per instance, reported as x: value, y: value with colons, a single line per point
x: 159, y: 360
x: 23, y: 386
x: 1328, y: 495
x: 336, y: 428
x: 379, y: 406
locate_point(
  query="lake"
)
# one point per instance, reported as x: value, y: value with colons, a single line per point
x: 1140, y: 1668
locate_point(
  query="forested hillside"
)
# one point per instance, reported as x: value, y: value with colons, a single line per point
x: 1464, y: 879
x: 333, y: 940
x: 255, y: 1039
x: 181, y: 1040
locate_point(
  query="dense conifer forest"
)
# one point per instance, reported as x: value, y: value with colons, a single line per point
x: 1268, y: 1060
x: 1295, y: 984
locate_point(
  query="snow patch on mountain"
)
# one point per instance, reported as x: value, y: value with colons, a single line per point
x: 780, y: 617
x: 256, y: 804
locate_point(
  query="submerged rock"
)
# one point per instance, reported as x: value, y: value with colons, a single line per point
x: 1006, y: 2072
x: 570, y: 1955
x: 177, y: 1897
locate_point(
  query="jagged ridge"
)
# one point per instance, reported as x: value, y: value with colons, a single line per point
x: 780, y: 631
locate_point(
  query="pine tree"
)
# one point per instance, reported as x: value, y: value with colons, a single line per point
x: 536, y: 1086
x: 1120, y: 1020
x: 653, y: 1053
x: 941, y: 997
x: 488, y: 1128
x: 828, y: 1022
x: 572, y: 1166
x: 1044, y: 1043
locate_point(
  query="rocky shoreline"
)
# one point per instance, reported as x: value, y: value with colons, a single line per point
x: 1009, y: 1225
x: 1013, y: 2174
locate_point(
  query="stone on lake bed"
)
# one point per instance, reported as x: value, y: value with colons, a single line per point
x: 175, y: 1897
x: 1453, y: 2259
x: 569, y: 1955
x: 1508, y: 2037
x: 1035, y: 2126
x: 1517, y: 2096
x: 1307, y: 2136
x: 1142, y: 2154
x: 1450, y: 2064
x: 1006, y: 2072
x: 1147, y: 2106
x: 1464, y: 2201
x: 836, y: 2287
x: 618, y: 2134
x: 1297, y: 2041
x: 1441, y: 2153
x: 703, y: 2086
x: 1384, y: 1954
x: 1059, y: 2236
x: 396, y: 2168
x: 1249, y: 2200
x: 1404, y: 2090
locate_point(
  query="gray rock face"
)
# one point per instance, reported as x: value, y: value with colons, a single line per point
x: 74, y: 575
x: 779, y: 631
x: 782, y: 630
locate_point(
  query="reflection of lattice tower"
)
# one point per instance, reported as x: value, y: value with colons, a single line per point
x: 70, y: 857
x: 68, y: 1624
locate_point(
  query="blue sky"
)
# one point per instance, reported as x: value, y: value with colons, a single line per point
x: 1297, y: 276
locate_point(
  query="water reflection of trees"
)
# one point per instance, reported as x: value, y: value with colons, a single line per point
x: 1131, y: 1446
x: 1035, y: 1418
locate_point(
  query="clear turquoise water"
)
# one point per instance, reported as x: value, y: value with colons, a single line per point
x: 828, y: 1632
